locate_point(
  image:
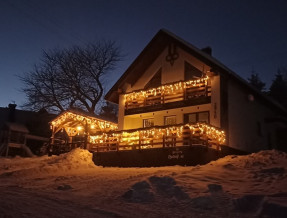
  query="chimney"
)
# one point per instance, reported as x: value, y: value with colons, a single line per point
x: 207, y: 50
x: 12, y: 109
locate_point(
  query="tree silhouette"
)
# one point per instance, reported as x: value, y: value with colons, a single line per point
x: 278, y: 88
x: 109, y: 111
x: 256, y: 82
x: 70, y: 78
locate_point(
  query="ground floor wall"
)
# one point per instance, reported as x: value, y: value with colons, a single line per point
x: 157, y: 157
x: 184, y: 156
x: 159, y: 118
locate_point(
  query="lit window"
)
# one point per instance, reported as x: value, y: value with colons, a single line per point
x: 148, y: 122
x: 170, y: 120
x: 202, y: 117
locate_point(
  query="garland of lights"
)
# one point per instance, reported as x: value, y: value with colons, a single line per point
x: 92, y: 122
x: 168, y: 89
x: 129, y: 138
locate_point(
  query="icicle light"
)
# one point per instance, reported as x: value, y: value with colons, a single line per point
x: 92, y: 123
x: 168, y: 89
x: 129, y: 138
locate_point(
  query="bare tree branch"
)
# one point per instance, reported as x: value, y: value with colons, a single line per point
x: 70, y: 77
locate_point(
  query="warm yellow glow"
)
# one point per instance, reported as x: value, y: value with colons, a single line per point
x: 83, y: 120
x: 79, y: 128
x: 167, y: 89
x: 201, y: 130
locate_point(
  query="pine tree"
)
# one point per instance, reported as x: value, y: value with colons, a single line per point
x: 256, y: 82
x: 278, y: 88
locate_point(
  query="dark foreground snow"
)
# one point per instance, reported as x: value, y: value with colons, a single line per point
x: 70, y: 185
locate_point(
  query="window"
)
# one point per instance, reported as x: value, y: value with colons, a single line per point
x: 155, y: 81
x: 148, y: 122
x: 202, y: 117
x: 191, y: 72
x: 170, y: 120
x: 191, y: 118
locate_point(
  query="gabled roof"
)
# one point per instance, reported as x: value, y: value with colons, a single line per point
x: 72, y: 118
x: 154, y: 48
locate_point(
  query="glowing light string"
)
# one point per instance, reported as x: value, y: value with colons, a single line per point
x: 200, y: 130
x: 92, y: 122
x: 168, y: 89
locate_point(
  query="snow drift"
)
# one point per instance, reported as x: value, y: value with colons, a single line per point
x: 70, y: 185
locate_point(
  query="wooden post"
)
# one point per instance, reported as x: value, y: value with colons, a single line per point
x: 186, y: 134
x: 173, y: 139
x: 140, y: 141
x: 206, y: 90
x: 86, y: 135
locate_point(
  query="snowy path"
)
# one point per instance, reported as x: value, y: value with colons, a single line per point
x: 70, y: 185
x: 19, y: 202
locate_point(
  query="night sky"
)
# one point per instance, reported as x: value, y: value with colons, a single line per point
x: 245, y: 35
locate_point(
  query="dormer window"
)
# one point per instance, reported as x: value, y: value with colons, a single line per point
x: 191, y: 72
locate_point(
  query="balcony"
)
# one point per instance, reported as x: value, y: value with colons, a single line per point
x: 179, y: 94
x: 158, y: 137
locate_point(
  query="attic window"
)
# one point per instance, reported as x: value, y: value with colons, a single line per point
x: 155, y: 80
x: 191, y: 72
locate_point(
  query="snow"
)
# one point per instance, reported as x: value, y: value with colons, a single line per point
x: 70, y: 185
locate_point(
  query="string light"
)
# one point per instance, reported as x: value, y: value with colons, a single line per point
x: 174, y: 88
x: 92, y: 122
x: 201, y: 130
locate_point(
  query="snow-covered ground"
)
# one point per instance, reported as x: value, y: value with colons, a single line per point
x: 70, y: 185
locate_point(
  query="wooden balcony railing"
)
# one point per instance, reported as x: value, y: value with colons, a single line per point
x: 158, y: 137
x: 176, y: 92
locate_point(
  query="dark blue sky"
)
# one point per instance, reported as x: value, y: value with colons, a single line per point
x: 244, y: 34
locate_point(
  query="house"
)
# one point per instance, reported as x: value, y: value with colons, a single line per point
x: 179, y: 105
x: 22, y: 131
x: 173, y: 82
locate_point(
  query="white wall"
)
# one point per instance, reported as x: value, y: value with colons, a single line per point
x: 170, y: 73
x: 136, y: 120
x: 246, y: 115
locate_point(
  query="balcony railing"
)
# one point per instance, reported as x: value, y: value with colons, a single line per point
x: 158, y: 137
x: 176, y: 92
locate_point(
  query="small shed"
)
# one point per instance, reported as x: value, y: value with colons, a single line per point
x: 73, y: 128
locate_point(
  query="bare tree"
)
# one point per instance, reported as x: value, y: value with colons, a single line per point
x: 70, y: 77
